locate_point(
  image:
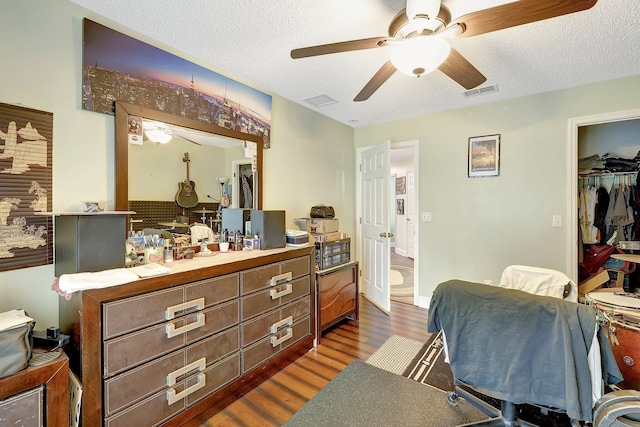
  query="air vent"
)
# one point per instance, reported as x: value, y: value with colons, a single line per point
x: 320, y: 100
x: 481, y: 90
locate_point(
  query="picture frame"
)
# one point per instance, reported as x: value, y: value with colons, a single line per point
x: 401, y: 185
x: 400, y: 206
x: 484, y: 156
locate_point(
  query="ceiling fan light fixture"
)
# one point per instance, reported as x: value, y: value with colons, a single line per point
x: 420, y: 55
x: 425, y: 8
x: 158, y: 136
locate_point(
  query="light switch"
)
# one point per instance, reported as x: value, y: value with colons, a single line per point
x: 426, y: 216
x: 557, y: 221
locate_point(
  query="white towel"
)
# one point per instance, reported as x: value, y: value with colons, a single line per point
x: 69, y: 283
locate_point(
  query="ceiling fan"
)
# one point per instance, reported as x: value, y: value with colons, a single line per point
x: 417, y: 35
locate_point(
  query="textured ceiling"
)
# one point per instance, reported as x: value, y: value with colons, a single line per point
x: 250, y: 40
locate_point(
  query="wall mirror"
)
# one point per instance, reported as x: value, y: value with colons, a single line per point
x: 213, y: 158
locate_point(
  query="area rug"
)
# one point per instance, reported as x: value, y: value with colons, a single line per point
x: 395, y: 277
x: 401, y: 281
x: 396, y: 354
x: 363, y: 395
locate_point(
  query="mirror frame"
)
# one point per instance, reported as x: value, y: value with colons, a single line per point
x: 123, y: 110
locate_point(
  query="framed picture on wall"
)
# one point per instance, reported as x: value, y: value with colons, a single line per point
x: 400, y: 206
x: 401, y: 185
x: 484, y: 156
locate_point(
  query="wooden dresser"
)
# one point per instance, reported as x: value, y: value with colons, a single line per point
x: 37, y: 396
x: 176, y: 348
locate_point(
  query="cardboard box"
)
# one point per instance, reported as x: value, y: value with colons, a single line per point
x: 326, y: 237
x: 322, y: 225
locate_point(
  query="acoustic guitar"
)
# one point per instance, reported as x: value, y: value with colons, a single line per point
x: 186, y: 196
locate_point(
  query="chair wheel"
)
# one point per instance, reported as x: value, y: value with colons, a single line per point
x: 452, y: 398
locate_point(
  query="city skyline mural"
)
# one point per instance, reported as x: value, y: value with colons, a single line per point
x: 119, y: 67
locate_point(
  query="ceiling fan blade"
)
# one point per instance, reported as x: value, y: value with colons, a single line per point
x: 461, y: 71
x: 518, y: 13
x: 347, y: 46
x: 376, y: 81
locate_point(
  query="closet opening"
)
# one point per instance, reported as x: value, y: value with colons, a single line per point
x: 608, y: 200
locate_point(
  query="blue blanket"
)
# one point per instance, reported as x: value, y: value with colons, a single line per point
x: 520, y: 347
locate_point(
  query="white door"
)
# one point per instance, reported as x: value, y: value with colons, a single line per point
x: 410, y: 212
x: 375, y: 225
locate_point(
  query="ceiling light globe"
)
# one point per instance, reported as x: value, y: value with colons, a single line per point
x: 158, y: 136
x: 420, y: 55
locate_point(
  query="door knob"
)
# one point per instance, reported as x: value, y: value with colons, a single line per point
x: 383, y: 234
x: 390, y: 235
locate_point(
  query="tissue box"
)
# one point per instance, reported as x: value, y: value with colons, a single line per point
x: 251, y: 243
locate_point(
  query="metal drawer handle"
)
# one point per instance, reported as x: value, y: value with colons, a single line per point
x: 172, y: 331
x: 274, y: 293
x: 275, y: 341
x: 199, y: 364
x: 198, y: 304
x: 276, y: 280
x: 173, y: 397
x: 288, y: 321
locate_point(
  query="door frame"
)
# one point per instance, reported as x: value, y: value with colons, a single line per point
x: 574, y: 124
x: 415, y: 143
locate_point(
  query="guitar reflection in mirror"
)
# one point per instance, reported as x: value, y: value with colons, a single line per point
x: 186, y: 196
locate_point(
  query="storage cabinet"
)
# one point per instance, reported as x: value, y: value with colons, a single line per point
x: 174, y: 349
x: 37, y: 396
x: 337, y: 295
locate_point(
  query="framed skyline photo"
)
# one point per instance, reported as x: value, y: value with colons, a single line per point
x: 484, y: 156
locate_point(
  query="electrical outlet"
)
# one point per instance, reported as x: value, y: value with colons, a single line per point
x: 426, y: 216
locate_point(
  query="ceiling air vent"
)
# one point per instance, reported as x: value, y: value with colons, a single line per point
x: 481, y: 90
x: 320, y: 100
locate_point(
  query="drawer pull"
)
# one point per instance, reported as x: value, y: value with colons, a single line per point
x: 199, y: 364
x: 280, y: 278
x: 172, y: 331
x: 288, y: 321
x: 198, y: 304
x: 275, y: 341
x: 173, y: 397
x: 274, y: 293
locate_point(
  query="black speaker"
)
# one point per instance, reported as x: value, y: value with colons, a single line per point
x: 269, y: 227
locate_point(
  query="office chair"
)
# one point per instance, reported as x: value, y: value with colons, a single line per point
x: 521, y: 348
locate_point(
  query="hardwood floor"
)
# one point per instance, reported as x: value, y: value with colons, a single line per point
x: 274, y: 401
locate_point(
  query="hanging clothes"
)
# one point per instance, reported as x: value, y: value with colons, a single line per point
x: 600, y: 212
x: 586, y: 214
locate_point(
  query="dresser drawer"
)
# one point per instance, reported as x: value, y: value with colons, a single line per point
x: 156, y: 408
x: 138, y: 347
x: 268, y: 299
x: 130, y: 314
x: 23, y: 409
x: 261, y: 277
x: 270, y: 346
x: 337, y: 304
x: 264, y: 325
x: 151, y: 377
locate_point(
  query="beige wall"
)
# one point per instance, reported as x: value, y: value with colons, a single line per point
x: 481, y: 225
x: 311, y: 159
